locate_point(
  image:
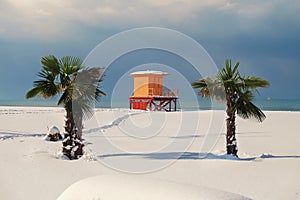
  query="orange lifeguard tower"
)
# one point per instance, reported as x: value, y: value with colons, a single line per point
x: 150, y: 94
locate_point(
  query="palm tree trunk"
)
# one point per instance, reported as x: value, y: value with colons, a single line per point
x: 231, y: 144
x: 72, y: 144
x: 69, y: 123
x: 79, y: 126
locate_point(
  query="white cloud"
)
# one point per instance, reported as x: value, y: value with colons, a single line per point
x: 2, y: 30
x: 56, y: 18
x: 43, y: 12
x: 106, y: 11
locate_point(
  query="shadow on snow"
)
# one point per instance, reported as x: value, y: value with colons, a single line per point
x: 192, y: 156
x: 7, y: 135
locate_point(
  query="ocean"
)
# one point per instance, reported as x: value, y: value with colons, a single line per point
x: 202, y: 104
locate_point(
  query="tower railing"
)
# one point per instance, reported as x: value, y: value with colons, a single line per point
x: 166, y: 92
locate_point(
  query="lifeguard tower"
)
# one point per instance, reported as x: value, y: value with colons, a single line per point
x: 150, y: 94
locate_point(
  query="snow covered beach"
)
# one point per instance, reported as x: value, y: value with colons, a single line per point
x: 149, y: 149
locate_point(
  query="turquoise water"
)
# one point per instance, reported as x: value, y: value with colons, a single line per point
x: 279, y: 104
x: 273, y: 104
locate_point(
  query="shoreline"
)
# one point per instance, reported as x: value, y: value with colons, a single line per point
x: 14, y: 107
x: 186, y: 105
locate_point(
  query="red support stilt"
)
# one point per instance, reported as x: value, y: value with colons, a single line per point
x: 153, y: 103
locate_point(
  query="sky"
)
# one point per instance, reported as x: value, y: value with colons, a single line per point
x: 263, y: 35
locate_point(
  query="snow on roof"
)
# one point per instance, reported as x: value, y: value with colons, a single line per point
x: 148, y: 72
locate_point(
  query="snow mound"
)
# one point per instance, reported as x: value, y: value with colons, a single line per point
x: 123, y: 187
x: 53, y: 134
x: 53, y: 130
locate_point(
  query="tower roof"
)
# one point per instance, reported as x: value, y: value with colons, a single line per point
x: 148, y: 72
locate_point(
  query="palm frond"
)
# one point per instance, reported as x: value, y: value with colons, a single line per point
x: 45, y: 86
x: 202, y: 84
x: 246, y: 109
x: 78, y: 86
x: 51, y: 64
x: 216, y: 89
x: 236, y: 67
x: 82, y: 108
x: 229, y: 76
x: 210, y: 87
x: 199, y: 84
x: 70, y: 65
x: 100, y: 92
x: 252, y: 82
x: 33, y: 92
x: 86, y: 90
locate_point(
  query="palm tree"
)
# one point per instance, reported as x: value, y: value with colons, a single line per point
x: 237, y: 92
x: 77, y: 87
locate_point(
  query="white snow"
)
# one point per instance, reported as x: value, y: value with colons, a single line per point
x: 148, y: 72
x: 137, y: 188
x: 53, y: 130
x: 165, y: 145
x: 66, y: 139
x: 68, y: 147
x: 75, y: 148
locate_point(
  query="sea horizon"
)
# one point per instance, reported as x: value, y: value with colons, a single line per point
x: 202, y: 104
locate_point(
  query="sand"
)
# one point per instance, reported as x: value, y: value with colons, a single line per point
x: 150, y: 151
